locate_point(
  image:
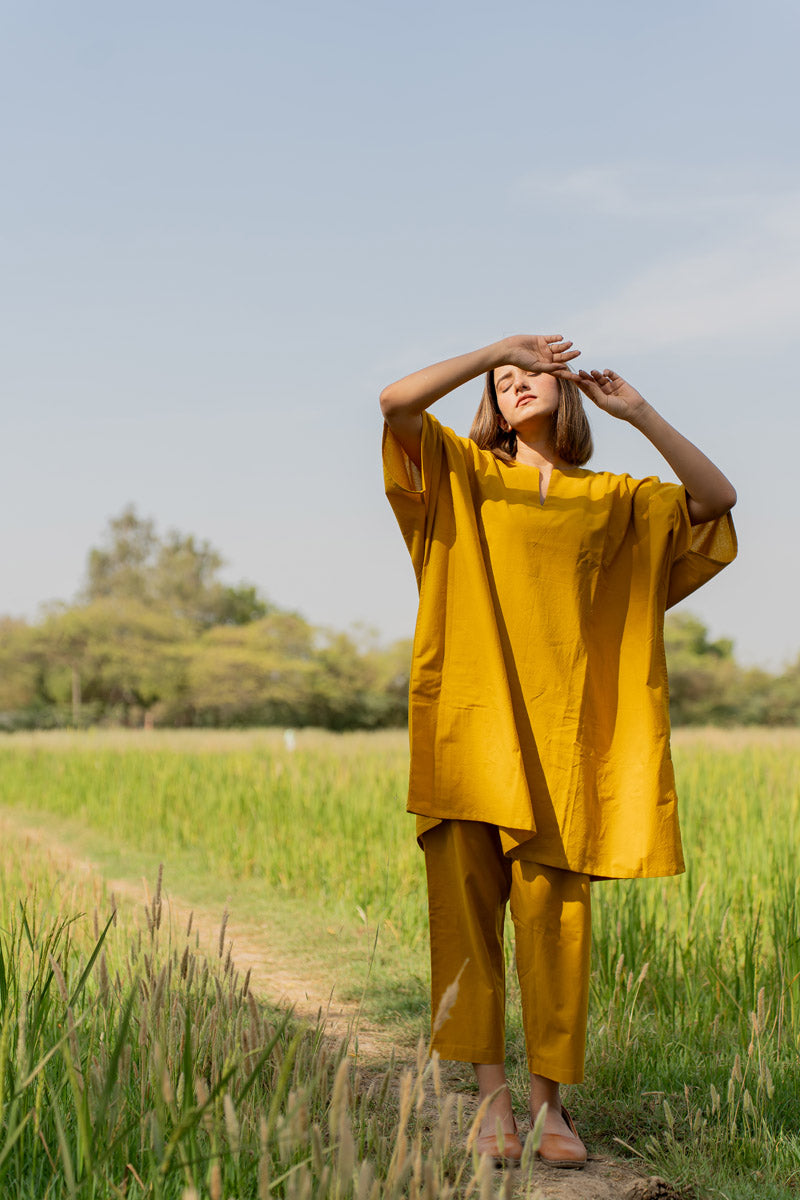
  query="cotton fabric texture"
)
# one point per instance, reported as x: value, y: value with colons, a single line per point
x: 538, y: 697
x: 470, y: 881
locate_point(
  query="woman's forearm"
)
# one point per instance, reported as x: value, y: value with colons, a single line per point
x: 404, y: 402
x: 709, y: 493
x: 410, y: 396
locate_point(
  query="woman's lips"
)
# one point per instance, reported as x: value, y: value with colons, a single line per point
x: 525, y: 396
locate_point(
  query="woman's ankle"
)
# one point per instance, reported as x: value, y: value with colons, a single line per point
x: 544, y: 1091
x: 494, y: 1096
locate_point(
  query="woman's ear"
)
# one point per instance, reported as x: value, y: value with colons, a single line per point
x: 503, y: 423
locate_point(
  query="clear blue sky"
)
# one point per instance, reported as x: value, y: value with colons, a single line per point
x: 226, y: 227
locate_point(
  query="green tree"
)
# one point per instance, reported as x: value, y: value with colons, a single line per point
x: 258, y: 673
x: 122, y: 568
x: 112, y: 655
x: 781, y: 698
x: 392, y: 667
x: 704, y: 679
x: 21, y: 681
x: 177, y: 573
x: 359, y: 684
x: 241, y: 605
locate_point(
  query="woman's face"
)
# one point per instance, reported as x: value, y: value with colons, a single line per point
x: 524, y: 395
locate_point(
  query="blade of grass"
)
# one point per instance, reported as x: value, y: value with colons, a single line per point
x: 92, y: 959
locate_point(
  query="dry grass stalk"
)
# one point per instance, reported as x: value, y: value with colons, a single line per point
x: 447, y: 1001
x: 223, y: 927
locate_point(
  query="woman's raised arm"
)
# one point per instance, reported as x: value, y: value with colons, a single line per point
x: 709, y: 493
x: 404, y: 402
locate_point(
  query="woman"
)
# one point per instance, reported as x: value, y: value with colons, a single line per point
x: 538, y: 704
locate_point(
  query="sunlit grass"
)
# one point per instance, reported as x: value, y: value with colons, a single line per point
x: 694, y: 1038
x: 132, y: 1065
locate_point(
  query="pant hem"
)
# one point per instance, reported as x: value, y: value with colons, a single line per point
x: 557, y: 1071
x: 472, y: 1054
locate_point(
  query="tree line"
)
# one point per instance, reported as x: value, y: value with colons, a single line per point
x: 154, y: 637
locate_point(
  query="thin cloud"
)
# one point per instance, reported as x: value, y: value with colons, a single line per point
x: 650, y: 193
x: 745, y: 282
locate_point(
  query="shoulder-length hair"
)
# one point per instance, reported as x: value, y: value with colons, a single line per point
x: 571, y: 435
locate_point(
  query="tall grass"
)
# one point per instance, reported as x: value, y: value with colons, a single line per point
x: 696, y: 982
x: 694, y: 1040
x: 131, y: 1066
x: 265, y: 813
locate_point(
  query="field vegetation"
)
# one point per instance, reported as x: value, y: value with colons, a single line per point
x: 145, y: 1066
x: 131, y: 1065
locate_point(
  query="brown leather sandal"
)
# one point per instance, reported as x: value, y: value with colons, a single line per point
x: 556, y: 1150
x: 511, y: 1154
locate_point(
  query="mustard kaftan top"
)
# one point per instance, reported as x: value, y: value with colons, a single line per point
x: 538, y: 697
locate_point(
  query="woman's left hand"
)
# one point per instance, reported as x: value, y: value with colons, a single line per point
x: 708, y: 493
x: 611, y: 392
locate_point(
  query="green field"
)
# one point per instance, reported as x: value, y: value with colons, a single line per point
x: 694, y: 1035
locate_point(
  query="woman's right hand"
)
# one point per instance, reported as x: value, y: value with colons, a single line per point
x: 548, y: 353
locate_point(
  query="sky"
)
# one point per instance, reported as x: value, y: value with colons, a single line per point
x: 224, y: 228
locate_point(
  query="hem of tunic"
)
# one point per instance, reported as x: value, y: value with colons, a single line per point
x: 516, y: 845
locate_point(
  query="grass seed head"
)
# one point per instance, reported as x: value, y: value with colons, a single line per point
x: 59, y: 978
x: 366, y: 1174
x: 222, y: 929
x: 447, y: 1001
x: 339, y: 1097
x: 436, y: 1074
x: 264, y: 1190
x: 317, y: 1150
x: 231, y: 1122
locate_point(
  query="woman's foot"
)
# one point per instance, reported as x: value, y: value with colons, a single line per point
x: 560, y: 1145
x: 505, y: 1150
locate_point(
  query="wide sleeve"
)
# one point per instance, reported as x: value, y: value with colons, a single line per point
x: 692, y: 554
x: 705, y: 550
x: 413, y: 491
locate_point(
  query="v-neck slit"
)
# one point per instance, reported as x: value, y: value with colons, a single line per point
x: 543, y: 498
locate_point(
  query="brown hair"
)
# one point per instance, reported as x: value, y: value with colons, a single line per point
x: 572, y: 437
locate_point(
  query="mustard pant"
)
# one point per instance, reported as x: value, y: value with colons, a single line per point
x: 470, y: 881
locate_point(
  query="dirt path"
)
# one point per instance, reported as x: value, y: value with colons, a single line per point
x: 275, y: 974
x: 281, y: 977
